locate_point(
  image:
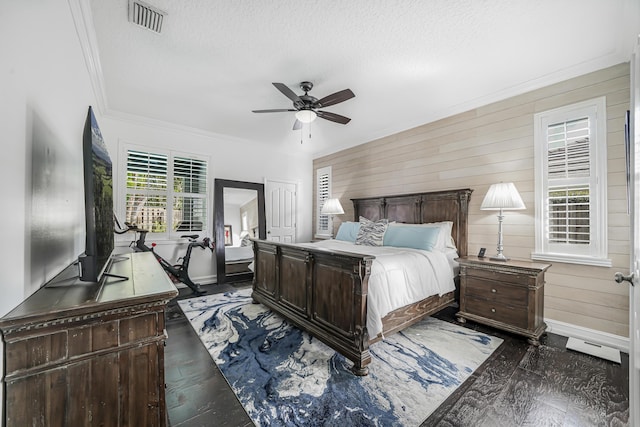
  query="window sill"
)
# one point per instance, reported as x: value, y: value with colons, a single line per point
x: 572, y: 259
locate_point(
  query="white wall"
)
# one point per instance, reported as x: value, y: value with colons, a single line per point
x: 232, y: 218
x: 45, y: 96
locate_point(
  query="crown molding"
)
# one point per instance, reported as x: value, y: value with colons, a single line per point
x: 83, y: 21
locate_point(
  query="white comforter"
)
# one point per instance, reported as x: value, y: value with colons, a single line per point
x: 399, y: 276
x: 238, y: 253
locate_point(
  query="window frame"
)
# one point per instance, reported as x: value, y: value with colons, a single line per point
x: 170, y: 234
x: 595, y: 253
x: 319, y: 231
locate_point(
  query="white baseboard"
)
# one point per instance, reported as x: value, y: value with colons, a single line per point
x: 591, y: 335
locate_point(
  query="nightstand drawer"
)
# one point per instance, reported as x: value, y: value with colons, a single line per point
x: 497, y: 311
x: 499, y: 276
x: 492, y: 291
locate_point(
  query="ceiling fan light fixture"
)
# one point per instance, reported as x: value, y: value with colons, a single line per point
x: 306, y: 116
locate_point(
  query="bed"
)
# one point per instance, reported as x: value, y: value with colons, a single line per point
x: 324, y: 289
x: 238, y: 259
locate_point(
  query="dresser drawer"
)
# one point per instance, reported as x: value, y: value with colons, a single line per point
x: 497, y: 311
x: 498, y: 292
x: 501, y: 276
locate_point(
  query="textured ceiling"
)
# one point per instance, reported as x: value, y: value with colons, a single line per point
x: 408, y: 62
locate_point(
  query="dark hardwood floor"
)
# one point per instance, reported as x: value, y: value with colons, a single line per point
x: 520, y: 385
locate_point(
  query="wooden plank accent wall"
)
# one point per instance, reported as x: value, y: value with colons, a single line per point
x: 494, y: 143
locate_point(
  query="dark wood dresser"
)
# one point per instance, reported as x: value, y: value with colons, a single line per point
x: 89, y: 354
x: 505, y: 295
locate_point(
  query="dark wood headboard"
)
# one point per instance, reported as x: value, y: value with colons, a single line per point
x: 420, y: 208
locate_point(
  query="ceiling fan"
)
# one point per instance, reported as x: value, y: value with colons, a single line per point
x: 307, y: 106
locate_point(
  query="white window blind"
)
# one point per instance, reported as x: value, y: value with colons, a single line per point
x: 571, y: 157
x: 154, y: 179
x: 323, y: 191
x: 190, y: 191
x: 568, y: 177
x: 146, y: 198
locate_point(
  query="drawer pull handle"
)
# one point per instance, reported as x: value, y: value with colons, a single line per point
x: 493, y: 310
x: 493, y: 291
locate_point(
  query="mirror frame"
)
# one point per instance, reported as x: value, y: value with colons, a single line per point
x: 218, y: 208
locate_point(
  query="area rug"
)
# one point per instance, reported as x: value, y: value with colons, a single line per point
x: 284, y: 377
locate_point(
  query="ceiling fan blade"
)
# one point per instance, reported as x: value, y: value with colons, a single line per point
x: 335, y: 98
x: 333, y: 117
x: 287, y: 92
x: 277, y: 110
x: 297, y: 125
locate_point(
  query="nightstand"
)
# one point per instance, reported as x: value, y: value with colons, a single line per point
x: 507, y: 295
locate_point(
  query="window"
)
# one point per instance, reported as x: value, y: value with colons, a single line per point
x: 571, y: 185
x: 323, y: 192
x: 166, y: 192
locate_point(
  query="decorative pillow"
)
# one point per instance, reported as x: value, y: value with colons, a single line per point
x: 246, y: 241
x: 348, y: 231
x: 407, y: 236
x: 371, y: 233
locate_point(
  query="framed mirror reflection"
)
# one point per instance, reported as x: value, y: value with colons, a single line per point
x: 239, y: 215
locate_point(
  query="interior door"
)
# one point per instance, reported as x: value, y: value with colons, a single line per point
x: 281, y: 210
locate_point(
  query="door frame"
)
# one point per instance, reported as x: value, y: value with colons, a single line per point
x: 634, y: 267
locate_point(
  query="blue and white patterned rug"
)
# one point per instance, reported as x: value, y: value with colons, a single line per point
x: 284, y: 377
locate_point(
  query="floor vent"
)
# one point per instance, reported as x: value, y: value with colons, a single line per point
x: 146, y: 16
x: 596, y: 350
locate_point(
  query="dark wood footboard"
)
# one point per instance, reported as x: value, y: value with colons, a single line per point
x: 323, y: 292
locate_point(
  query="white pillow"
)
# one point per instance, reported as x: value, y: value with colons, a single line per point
x: 446, y: 233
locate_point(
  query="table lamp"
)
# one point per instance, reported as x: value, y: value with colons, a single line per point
x: 332, y: 207
x: 502, y: 196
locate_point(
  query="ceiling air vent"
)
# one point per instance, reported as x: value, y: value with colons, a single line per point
x: 146, y: 16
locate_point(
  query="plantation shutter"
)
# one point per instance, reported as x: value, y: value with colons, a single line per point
x: 166, y: 192
x: 146, y: 190
x: 323, y: 190
x: 190, y: 190
x: 568, y: 182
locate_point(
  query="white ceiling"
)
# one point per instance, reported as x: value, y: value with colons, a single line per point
x: 409, y: 62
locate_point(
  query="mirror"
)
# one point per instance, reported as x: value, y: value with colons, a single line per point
x: 238, y: 215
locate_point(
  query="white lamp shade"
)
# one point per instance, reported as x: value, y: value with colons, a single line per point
x: 503, y: 195
x: 332, y: 207
x: 306, y: 116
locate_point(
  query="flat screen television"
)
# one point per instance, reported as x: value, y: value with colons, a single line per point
x: 98, y: 203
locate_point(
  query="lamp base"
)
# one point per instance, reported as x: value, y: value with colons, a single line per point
x: 499, y: 257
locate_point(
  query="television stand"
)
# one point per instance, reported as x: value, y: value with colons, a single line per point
x: 90, y: 351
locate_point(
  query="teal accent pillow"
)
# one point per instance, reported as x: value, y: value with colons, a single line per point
x: 405, y: 236
x: 348, y: 231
